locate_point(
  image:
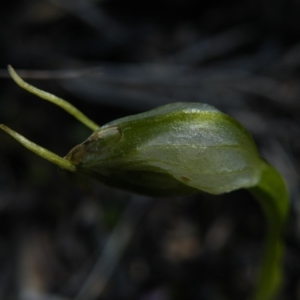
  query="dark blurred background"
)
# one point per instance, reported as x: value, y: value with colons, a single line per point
x: 113, y: 58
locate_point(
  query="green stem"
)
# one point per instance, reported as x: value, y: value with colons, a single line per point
x: 68, y: 107
x: 44, y: 153
x: 273, y: 196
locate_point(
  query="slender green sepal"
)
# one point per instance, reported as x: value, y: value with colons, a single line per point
x: 44, y: 153
x: 272, y: 194
x: 69, y: 108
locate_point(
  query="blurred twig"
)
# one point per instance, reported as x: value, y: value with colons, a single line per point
x: 114, y: 249
x: 94, y: 16
x: 216, y: 46
x: 49, y: 74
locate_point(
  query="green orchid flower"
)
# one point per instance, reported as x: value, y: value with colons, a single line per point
x: 178, y: 149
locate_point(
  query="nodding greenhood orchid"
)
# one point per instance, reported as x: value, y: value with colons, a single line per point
x: 177, y: 149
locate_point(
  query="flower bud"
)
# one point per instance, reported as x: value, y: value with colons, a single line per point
x: 179, y: 148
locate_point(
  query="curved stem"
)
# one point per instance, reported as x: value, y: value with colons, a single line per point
x: 68, y: 107
x: 273, y: 196
x: 44, y: 153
